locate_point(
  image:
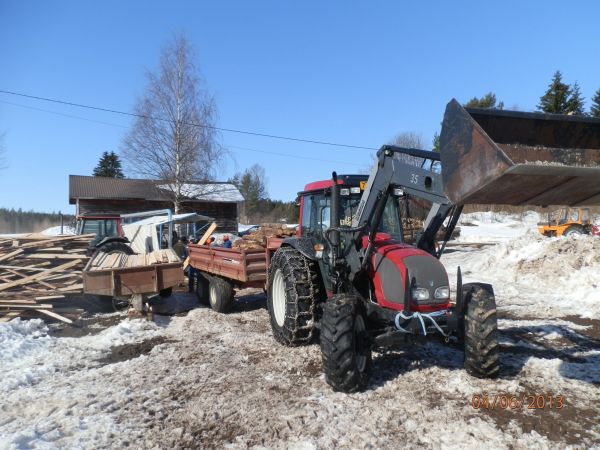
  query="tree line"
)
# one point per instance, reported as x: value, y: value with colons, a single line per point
x: 258, y: 207
x: 559, y: 98
x: 19, y: 221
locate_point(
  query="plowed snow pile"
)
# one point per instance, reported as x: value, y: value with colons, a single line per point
x: 561, y: 274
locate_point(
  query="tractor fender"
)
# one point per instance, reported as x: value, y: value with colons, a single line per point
x: 108, y: 239
x: 304, y: 245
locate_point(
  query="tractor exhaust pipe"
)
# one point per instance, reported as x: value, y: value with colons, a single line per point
x: 492, y: 156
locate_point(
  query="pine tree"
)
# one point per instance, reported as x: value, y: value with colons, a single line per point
x: 595, y: 108
x: 575, y: 102
x: 109, y: 166
x: 556, y: 98
x: 487, y: 101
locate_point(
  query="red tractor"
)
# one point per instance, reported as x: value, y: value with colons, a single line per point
x: 349, y: 277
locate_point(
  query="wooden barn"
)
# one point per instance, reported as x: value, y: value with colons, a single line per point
x: 105, y: 196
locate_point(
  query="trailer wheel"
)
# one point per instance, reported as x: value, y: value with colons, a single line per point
x: 345, y: 345
x: 164, y: 293
x: 202, y: 285
x: 293, y: 294
x: 220, y: 294
x: 481, y: 331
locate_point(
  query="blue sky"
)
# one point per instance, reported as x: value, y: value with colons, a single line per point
x: 348, y: 72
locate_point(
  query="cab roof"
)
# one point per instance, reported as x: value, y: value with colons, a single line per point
x: 348, y: 180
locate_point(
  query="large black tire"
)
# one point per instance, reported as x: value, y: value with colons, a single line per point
x: 165, y: 293
x: 345, y: 345
x: 482, y: 358
x: 293, y: 295
x: 573, y: 230
x: 116, y: 247
x: 202, y: 288
x: 220, y: 294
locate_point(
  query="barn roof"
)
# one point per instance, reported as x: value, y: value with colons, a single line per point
x: 87, y: 187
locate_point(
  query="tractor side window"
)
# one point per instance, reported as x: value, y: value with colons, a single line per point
x: 585, y: 215
x: 110, y: 227
x: 574, y: 215
x: 93, y: 226
x: 315, y: 215
x: 390, y: 222
x: 307, y: 203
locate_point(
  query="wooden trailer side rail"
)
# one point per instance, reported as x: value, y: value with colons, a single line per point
x: 243, y: 266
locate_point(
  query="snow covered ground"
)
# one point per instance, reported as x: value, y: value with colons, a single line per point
x: 207, y: 380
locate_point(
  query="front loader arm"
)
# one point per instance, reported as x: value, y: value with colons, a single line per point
x: 390, y: 172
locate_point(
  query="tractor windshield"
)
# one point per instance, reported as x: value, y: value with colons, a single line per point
x: 316, y: 209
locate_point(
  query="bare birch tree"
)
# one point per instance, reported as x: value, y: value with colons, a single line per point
x: 173, y: 138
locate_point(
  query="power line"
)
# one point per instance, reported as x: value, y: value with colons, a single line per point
x: 70, y: 116
x: 268, y: 152
x: 229, y: 130
x: 294, y: 156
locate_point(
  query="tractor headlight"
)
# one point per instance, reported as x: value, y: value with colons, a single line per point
x: 442, y: 292
x: 420, y: 294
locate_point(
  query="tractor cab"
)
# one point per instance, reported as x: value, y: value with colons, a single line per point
x: 315, y: 208
x: 102, y: 226
x: 567, y: 222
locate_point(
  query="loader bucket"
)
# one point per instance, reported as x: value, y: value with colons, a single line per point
x: 492, y: 156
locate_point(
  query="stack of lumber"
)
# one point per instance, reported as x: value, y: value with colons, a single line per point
x: 109, y: 261
x: 258, y: 238
x: 37, y: 271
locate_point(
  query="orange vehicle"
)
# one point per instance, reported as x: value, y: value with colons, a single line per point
x: 566, y: 222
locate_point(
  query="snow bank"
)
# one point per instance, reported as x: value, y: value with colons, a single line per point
x: 496, y: 227
x: 553, y: 274
x: 56, y: 231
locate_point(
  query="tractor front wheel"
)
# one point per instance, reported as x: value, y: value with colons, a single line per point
x: 293, y: 294
x: 480, y: 331
x: 345, y: 345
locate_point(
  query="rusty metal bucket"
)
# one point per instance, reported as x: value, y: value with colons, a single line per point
x: 493, y: 156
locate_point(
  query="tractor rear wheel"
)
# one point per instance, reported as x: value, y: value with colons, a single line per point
x: 482, y: 359
x: 220, y: 294
x: 573, y: 230
x: 116, y: 247
x: 293, y: 294
x: 345, y: 345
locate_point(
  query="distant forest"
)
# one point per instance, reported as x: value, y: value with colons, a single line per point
x: 19, y: 221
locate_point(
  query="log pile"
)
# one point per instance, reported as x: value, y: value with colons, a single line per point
x: 411, y: 227
x: 37, y: 271
x: 258, y: 239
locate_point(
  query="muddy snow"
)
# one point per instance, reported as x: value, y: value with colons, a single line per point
x: 206, y: 380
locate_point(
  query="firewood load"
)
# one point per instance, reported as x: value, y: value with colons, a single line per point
x: 38, y: 271
x: 411, y: 227
x: 258, y: 238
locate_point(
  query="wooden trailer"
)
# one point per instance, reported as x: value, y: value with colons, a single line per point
x: 218, y: 270
x: 132, y: 277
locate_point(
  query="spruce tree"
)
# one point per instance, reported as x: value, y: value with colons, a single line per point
x: 109, y: 166
x: 575, y: 102
x: 556, y: 98
x: 595, y: 108
x: 487, y: 101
